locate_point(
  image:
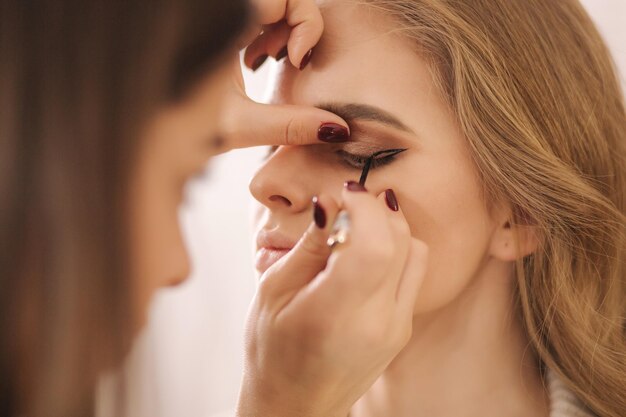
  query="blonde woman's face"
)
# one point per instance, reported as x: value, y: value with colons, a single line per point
x: 373, y: 78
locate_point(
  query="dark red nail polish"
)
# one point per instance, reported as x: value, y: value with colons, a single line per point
x: 258, y: 62
x: 333, y: 133
x: 392, y: 201
x: 282, y: 53
x: 306, y: 59
x: 319, y: 214
x: 354, y: 186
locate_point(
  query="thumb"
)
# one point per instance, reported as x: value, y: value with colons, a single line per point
x: 256, y: 124
x: 307, y: 259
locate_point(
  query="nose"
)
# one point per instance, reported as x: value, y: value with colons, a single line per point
x: 182, y: 273
x: 176, y: 261
x: 281, y: 183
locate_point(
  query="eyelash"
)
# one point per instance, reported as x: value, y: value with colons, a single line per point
x: 358, y: 161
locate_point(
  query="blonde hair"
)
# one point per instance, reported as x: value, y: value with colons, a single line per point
x: 536, y: 94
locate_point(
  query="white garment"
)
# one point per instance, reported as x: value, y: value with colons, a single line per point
x: 563, y: 402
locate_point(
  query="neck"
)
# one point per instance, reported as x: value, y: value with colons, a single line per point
x: 471, y: 358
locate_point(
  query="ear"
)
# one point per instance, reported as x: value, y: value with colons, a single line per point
x: 511, y: 242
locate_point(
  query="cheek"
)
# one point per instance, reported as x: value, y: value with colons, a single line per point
x: 159, y: 257
x: 445, y: 209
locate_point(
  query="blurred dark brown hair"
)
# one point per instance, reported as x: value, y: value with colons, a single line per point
x: 78, y: 78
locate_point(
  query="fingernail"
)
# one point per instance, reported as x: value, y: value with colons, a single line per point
x: 333, y: 133
x: 306, y: 59
x: 392, y: 201
x: 258, y: 62
x: 354, y: 186
x: 319, y: 214
x: 283, y: 53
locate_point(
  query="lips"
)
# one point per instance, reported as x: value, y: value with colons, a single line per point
x: 271, y: 246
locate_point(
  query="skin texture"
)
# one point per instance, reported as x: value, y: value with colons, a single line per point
x: 176, y: 145
x: 287, y: 329
x: 467, y: 355
x: 215, y: 117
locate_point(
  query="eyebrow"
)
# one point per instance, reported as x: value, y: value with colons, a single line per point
x: 352, y: 112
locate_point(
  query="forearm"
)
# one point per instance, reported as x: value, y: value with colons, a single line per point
x: 253, y: 404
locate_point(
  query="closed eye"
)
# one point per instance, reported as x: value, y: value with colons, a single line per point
x: 356, y: 161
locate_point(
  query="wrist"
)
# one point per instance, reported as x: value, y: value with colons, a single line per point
x: 265, y: 404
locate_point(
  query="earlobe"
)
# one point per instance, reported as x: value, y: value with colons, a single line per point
x: 511, y: 242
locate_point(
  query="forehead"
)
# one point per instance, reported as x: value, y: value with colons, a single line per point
x: 361, y: 58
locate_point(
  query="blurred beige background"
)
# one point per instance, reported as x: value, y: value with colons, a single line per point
x: 189, y: 360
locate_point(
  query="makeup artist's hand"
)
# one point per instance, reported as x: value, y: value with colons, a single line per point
x: 324, y: 325
x: 287, y: 28
x: 296, y: 25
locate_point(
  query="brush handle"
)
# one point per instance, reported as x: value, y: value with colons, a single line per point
x: 340, y: 231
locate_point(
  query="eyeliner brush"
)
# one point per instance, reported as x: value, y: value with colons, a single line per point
x: 366, y: 170
x: 368, y: 164
x: 341, y: 226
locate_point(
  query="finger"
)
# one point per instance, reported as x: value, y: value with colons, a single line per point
x: 305, y: 261
x: 358, y: 267
x: 268, y: 12
x: 305, y: 18
x: 272, y: 41
x: 368, y: 218
x: 249, y: 35
x: 254, y: 51
x: 412, y: 278
x: 255, y: 124
x: 401, y: 235
x: 277, y: 38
